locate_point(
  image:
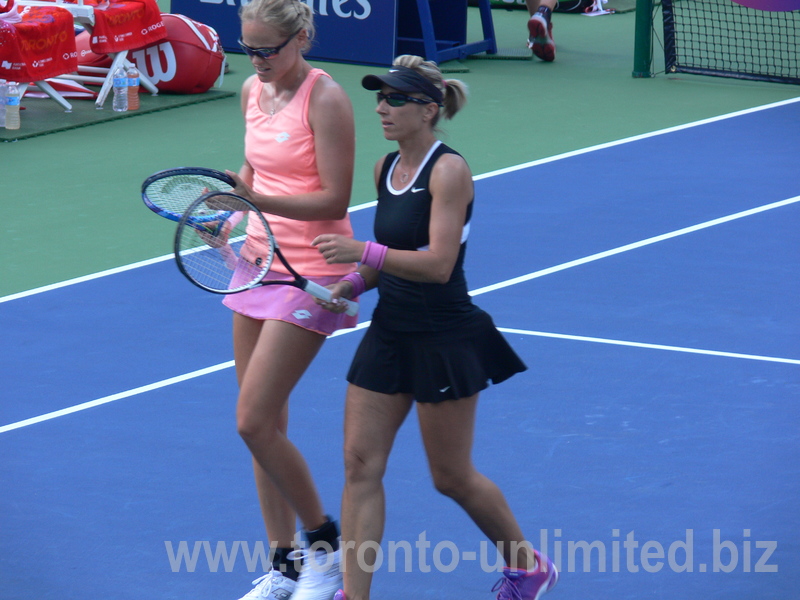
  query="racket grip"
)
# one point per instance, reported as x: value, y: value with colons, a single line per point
x: 324, y: 293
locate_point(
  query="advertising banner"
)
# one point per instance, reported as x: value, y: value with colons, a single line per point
x: 353, y: 31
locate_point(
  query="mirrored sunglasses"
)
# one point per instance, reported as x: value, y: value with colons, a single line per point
x: 396, y: 99
x: 266, y: 53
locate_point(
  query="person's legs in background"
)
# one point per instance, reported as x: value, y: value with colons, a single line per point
x: 540, y: 28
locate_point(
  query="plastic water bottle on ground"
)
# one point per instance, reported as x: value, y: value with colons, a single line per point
x: 120, y: 103
x: 3, y: 88
x: 133, y: 88
x: 12, y: 106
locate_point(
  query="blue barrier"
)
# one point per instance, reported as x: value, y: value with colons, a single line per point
x: 370, y: 32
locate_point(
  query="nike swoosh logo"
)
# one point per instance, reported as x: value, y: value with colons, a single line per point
x: 444, y: 389
x: 415, y: 190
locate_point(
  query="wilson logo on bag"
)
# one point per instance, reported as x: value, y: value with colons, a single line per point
x: 188, y: 61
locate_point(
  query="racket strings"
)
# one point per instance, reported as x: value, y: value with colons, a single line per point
x: 211, y: 246
x: 175, y: 193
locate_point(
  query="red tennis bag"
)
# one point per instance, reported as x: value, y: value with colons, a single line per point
x: 188, y: 61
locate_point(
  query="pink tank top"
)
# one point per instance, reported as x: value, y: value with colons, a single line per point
x: 280, y: 148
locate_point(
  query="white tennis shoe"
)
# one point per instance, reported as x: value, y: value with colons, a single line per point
x: 272, y: 586
x: 320, y: 578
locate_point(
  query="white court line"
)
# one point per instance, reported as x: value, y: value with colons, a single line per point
x: 115, y: 397
x: 483, y: 290
x: 636, y: 138
x: 582, y: 338
x: 68, y: 282
x: 140, y: 390
x: 496, y: 173
x: 634, y: 245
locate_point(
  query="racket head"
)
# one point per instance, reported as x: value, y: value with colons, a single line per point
x: 210, y: 244
x: 169, y: 193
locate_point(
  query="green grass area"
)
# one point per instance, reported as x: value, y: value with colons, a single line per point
x: 71, y: 199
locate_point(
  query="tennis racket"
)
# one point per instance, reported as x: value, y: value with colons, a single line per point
x: 169, y: 193
x: 225, y: 245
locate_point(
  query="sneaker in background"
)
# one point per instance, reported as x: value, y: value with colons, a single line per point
x: 541, y: 37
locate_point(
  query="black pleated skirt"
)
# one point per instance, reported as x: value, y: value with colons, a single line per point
x: 434, y: 366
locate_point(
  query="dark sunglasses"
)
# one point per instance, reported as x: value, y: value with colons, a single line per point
x: 266, y: 53
x: 396, y: 99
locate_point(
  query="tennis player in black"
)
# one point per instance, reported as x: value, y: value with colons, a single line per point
x: 427, y: 341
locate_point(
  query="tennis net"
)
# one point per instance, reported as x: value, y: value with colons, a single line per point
x: 724, y: 38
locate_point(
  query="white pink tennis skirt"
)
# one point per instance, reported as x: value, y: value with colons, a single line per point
x: 289, y: 304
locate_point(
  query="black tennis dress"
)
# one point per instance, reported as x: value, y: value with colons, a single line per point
x: 426, y: 339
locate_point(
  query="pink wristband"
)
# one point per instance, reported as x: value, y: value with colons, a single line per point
x: 358, y: 283
x: 374, y: 255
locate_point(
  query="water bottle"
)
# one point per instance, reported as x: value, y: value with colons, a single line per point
x: 3, y: 88
x: 133, y: 88
x: 120, y: 103
x: 12, y: 106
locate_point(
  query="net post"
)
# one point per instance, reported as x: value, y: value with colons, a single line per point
x: 643, y: 48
